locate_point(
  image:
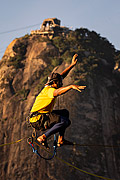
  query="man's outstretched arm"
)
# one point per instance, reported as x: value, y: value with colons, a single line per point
x: 63, y: 90
x: 66, y: 71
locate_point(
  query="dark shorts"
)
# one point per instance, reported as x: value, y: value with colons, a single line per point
x: 50, y: 119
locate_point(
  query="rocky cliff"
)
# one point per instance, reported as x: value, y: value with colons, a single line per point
x: 94, y: 113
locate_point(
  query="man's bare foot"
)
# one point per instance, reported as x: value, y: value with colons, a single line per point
x: 62, y: 141
x: 41, y: 139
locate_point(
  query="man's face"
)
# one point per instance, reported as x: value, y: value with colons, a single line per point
x: 57, y: 84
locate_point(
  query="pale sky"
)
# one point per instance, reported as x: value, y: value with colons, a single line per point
x: 102, y: 16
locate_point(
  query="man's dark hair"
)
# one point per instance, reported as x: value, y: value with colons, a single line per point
x: 54, y: 77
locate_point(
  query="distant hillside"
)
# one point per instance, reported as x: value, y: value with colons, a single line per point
x: 95, y: 113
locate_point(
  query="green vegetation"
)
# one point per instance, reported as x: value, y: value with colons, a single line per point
x: 43, y: 80
x: 16, y: 61
x: 90, y: 47
x: 20, y: 50
x: 26, y: 36
x: 23, y: 93
x: 61, y: 43
x: 42, y: 39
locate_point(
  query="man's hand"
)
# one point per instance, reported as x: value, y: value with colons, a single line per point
x: 78, y: 88
x: 74, y: 60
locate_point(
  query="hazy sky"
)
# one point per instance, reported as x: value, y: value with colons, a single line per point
x: 102, y: 16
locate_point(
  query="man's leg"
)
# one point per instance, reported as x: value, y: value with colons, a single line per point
x: 60, y: 127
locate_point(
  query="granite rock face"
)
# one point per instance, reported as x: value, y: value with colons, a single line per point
x: 94, y: 115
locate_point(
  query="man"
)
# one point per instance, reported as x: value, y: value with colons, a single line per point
x: 42, y: 113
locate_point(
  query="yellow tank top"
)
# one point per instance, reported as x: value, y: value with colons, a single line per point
x: 45, y: 101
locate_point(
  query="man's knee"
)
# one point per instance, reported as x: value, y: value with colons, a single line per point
x: 69, y: 122
x: 65, y: 113
x: 65, y: 121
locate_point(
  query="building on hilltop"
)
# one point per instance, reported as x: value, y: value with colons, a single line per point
x: 51, y: 28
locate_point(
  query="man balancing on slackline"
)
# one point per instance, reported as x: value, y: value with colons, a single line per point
x: 43, y: 117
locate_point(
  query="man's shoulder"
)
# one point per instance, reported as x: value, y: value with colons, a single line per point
x: 48, y: 87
